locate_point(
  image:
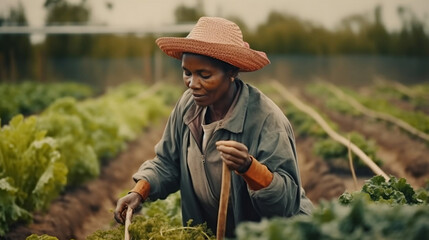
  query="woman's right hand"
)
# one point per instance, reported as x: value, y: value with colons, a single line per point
x: 132, y: 200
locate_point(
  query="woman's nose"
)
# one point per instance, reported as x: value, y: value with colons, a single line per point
x: 193, y: 82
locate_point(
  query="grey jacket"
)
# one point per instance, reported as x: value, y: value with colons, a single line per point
x: 256, y: 122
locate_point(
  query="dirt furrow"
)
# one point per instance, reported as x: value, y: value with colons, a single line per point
x: 403, y: 155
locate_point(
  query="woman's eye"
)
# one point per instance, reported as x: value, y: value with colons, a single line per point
x: 187, y: 73
x: 205, y: 76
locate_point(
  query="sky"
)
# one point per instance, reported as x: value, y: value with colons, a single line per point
x: 327, y: 13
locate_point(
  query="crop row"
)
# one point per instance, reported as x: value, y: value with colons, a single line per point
x: 414, y: 97
x: 376, y: 212
x: 333, y: 152
x: 382, y: 209
x: 32, y: 97
x: 380, y: 102
x: 388, y: 210
x: 404, y: 140
x: 67, y: 143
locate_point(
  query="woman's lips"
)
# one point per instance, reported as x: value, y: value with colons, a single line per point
x: 198, y: 96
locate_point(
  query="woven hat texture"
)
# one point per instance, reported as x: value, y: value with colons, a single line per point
x: 218, y: 38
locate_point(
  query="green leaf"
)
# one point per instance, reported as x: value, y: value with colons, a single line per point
x: 9, y: 211
x: 42, y: 237
x: 394, y: 191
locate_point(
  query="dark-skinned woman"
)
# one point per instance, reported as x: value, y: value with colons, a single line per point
x: 220, y: 119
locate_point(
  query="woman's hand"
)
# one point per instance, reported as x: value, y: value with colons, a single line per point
x: 235, y: 155
x: 132, y: 200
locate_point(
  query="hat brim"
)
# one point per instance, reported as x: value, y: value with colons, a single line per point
x: 246, y: 59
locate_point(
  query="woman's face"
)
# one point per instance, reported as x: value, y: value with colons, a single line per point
x: 209, y: 83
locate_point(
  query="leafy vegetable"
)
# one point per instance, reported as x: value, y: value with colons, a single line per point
x: 42, y: 237
x: 337, y: 154
x: 71, y: 136
x: 303, y: 124
x: 394, y: 191
x: 362, y: 218
x: 161, y: 219
x: 31, y: 173
x: 320, y: 90
x: 32, y: 97
x: 66, y: 143
x: 331, y: 220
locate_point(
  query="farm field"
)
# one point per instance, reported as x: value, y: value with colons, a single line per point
x: 397, y: 152
x: 87, y: 88
x: 87, y: 206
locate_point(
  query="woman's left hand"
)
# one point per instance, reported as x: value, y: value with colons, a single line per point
x: 235, y: 155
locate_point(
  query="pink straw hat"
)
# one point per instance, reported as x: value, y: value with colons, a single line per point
x: 217, y: 38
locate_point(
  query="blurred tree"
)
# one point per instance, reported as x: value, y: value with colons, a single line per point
x: 15, y: 49
x: 61, y: 12
x: 412, y: 38
x: 287, y: 34
x: 351, y: 36
x: 356, y: 34
x: 378, y: 35
x: 184, y: 14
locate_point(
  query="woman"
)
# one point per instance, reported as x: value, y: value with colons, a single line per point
x: 221, y: 119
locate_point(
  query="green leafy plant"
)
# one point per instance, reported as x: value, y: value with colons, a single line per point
x: 303, y: 124
x: 337, y: 154
x: 161, y: 219
x: 64, y: 122
x: 31, y: 173
x: 331, y: 221
x: 67, y: 143
x: 320, y: 90
x: 32, y: 97
x: 41, y: 237
x: 394, y: 191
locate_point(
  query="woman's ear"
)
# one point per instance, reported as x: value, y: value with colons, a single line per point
x: 232, y: 74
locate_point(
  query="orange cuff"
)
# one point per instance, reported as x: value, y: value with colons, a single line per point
x: 257, y: 176
x: 143, y: 188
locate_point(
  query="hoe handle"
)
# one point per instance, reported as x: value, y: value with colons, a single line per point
x: 128, y: 222
x: 223, y: 204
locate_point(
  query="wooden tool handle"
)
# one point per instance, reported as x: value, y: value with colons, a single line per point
x: 223, y: 203
x: 128, y: 222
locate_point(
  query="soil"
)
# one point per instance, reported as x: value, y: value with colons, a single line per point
x: 317, y: 180
x: 81, y: 211
x: 402, y: 154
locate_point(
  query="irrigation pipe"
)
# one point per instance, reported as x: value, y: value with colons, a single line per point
x: 334, y: 135
x: 377, y: 115
x: 223, y: 203
x: 398, y: 86
x: 352, y: 169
